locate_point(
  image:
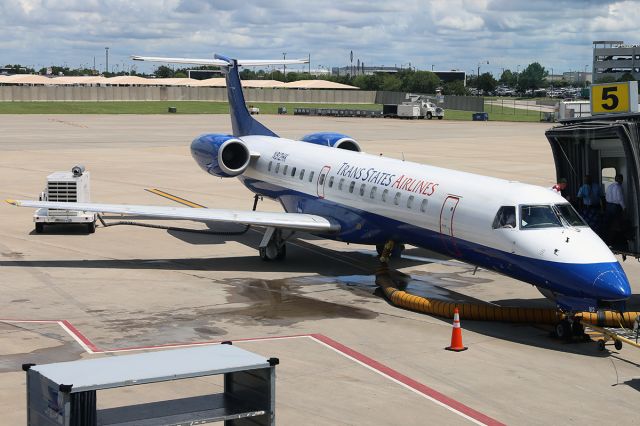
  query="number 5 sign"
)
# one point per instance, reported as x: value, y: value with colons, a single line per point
x: 607, y: 98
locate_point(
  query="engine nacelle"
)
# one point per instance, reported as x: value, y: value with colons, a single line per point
x: 335, y: 140
x: 220, y: 155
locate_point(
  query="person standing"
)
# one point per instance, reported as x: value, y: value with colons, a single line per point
x: 614, y: 214
x: 589, y: 194
x: 560, y: 186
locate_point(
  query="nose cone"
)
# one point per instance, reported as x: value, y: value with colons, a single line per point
x: 612, y: 284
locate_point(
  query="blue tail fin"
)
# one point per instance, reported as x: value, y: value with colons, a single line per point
x: 242, y: 121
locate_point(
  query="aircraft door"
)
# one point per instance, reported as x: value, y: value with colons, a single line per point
x: 322, y: 180
x: 446, y: 223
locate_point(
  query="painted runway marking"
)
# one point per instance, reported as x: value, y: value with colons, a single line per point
x: 351, y: 354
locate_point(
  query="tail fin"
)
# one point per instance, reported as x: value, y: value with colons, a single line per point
x: 242, y: 121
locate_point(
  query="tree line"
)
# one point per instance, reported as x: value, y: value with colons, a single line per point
x: 534, y: 76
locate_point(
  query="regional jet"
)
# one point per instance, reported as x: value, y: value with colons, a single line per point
x: 328, y: 187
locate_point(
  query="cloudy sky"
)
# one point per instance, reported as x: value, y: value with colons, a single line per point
x: 444, y: 33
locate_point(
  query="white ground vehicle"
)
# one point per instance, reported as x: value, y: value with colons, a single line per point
x: 70, y: 186
x: 427, y: 109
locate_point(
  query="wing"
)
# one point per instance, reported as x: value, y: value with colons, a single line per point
x: 293, y: 221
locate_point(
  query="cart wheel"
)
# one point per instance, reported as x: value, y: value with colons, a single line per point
x: 618, y: 345
x: 39, y: 227
x: 91, y: 227
x: 601, y: 345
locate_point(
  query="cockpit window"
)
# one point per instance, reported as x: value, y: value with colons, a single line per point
x: 505, y: 218
x: 569, y: 214
x: 536, y: 217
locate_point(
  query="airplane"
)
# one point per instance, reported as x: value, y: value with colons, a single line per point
x: 329, y: 187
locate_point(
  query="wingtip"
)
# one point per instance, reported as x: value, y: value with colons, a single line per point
x: 14, y: 202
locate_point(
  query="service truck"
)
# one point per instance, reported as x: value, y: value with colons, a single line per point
x: 416, y: 106
x: 68, y: 187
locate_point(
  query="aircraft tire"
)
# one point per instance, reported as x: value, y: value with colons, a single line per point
x: 601, y: 345
x: 282, y: 252
x: 263, y: 254
x: 440, y: 117
x: 563, y: 330
x: 271, y: 253
x: 577, y: 329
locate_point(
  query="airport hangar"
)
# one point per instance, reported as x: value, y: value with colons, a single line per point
x: 346, y: 354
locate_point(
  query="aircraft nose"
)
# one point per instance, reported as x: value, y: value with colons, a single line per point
x: 612, y: 283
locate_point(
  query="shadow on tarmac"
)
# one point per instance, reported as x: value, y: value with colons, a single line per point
x: 351, y: 269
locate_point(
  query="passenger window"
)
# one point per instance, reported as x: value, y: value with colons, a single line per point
x: 373, y: 192
x: 331, y: 182
x: 277, y: 167
x: 301, y: 174
x: 340, y: 184
x: 293, y: 172
x: 362, y: 188
x: 352, y: 185
x: 410, y: 201
x: 321, y: 179
x: 311, y: 176
x: 270, y: 164
x: 505, y: 218
x: 396, y: 199
x: 284, y: 171
x: 384, y: 195
x: 423, y: 205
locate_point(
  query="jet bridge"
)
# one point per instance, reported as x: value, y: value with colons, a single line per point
x: 602, y: 146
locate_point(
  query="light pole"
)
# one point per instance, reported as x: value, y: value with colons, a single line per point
x: 584, y: 80
x: 284, y: 58
x: 479, y: 63
x: 106, y: 68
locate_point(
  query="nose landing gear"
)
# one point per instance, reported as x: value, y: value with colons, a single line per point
x: 389, y: 250
x: 569, y: 328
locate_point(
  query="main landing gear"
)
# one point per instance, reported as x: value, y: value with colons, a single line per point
x: 273, y: 245
x: 569, y: 328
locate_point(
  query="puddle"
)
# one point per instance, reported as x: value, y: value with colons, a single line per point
x: 280, y: 302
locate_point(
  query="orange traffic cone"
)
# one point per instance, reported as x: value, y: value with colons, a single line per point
x: 456, y: 334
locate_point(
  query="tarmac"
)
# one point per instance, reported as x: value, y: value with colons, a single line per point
x: 347, y: 356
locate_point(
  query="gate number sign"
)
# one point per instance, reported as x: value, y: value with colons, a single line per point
x: 607, y: 98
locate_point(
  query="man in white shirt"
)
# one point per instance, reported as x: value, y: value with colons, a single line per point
x: 614, y: 217
x: 614, y: 194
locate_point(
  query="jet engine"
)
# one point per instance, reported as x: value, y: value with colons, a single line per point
x: 335, y: 140
x: 220, y: 155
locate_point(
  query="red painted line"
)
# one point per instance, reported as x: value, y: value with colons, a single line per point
x: 345, y: 350
x: 81, y: 336
x: 426, y: 390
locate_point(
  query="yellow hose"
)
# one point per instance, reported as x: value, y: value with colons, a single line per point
x: 486, y: 312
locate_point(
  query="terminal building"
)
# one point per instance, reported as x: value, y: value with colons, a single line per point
x: 614, y: 59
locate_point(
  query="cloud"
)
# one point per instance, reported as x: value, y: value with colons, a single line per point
x: 446, y: 33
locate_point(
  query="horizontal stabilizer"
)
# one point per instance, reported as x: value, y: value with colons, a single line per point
x: 221, y: 62
x: 293, y: 221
